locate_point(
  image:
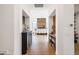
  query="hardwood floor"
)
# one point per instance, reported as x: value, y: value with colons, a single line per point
x: 77, y: 49
x: 41, y: 46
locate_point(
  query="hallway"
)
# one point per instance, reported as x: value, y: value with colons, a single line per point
x: 41, y: 46
x: 19, y: 21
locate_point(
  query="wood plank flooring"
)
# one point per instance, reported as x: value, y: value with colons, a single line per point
x: 40, y: 46
x: 76, y: 48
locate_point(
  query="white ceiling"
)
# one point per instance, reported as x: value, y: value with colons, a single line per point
x: 45, y: 6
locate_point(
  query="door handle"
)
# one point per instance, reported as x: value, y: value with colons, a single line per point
x: 71, y: 25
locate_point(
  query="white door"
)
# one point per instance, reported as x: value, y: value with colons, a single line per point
x: 69, y: 29
x: 65, y: 29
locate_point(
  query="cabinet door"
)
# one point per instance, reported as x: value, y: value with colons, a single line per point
x: 24, y: 43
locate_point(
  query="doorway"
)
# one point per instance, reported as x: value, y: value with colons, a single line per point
x: 40, y: 43
x: 52, y: 29
x: 26, y: 33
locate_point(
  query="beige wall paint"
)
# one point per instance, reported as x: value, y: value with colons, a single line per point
x: 7, y: 29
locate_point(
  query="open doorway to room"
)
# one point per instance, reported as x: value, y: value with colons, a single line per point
x: 52, y: 30
x: 26, y: 33
x: 40, y: 41
x: 76, y: 28
x: 39, y: 44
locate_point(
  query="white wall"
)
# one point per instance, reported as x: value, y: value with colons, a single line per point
x: 18, y: 27
x: 11, y: 28
x: 64, y: 32
x: 7, y: 29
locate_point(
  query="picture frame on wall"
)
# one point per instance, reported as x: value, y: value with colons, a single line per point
x: 41, y: 23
